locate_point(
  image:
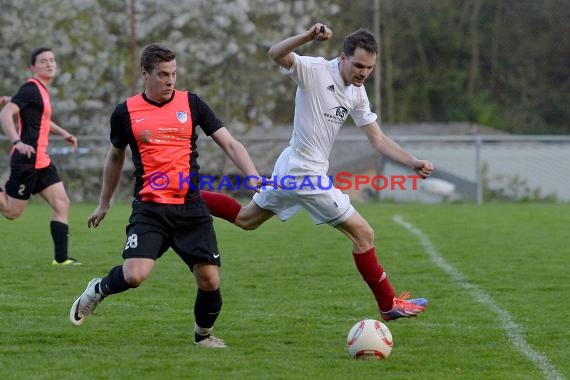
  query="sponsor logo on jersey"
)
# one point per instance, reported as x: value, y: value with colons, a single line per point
x: 144, y: 136
x: 341, y: 111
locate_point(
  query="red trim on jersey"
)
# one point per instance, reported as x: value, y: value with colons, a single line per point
x: 163, y: 135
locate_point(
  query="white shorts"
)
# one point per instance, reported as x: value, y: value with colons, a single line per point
x: 304, y: 184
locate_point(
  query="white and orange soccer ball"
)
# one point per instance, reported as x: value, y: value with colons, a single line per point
x: 369, y: 339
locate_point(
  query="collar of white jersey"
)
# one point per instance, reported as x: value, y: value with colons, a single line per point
x: 334, y: 64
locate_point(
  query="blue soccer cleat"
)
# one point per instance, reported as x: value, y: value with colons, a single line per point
x: 404, y: 307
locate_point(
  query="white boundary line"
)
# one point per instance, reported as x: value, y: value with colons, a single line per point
x: 512, y: 329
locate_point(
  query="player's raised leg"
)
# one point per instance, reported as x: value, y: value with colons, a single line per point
x: 366, y: 261
x: 247, y: 217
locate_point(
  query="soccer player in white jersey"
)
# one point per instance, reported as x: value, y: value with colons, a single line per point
x: 328, y: 92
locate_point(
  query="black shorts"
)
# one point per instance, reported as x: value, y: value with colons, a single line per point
x: 26, y: 180
x: 187, y: 228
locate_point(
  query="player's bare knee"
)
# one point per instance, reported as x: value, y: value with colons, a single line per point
x: 251, y: 217
x: 12, y: 214
x: 207, y: 276
x: 134, y: 280
x: 246, y: 224
x: 61, y: 205
x: 209, y: 284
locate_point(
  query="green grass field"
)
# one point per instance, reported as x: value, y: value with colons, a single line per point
x: 496, y: 277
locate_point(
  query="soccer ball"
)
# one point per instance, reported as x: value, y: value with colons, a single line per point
x: 369, y: 339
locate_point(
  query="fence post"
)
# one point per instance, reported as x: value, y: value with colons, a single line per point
x: 478, y: 169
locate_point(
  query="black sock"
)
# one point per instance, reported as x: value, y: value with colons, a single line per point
x: 59, y: 234
x: 114, y: 282
x: 206, y: 310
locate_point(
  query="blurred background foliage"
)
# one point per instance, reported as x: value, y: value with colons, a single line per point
x: 501, y: 63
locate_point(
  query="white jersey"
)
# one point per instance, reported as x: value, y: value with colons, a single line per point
x: 322, y: 104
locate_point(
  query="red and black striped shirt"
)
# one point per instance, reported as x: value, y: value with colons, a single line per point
x: 34, y: 121
x: 162, y: 138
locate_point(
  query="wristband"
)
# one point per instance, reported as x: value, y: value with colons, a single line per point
x: 15, y: 142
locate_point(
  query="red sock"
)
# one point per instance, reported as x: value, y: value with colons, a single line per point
x: 221, y: 205
x: 373, y: 273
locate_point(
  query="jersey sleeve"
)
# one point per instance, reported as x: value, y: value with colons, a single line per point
x: 120, y: 125
x: 203, y: 115
x: 361, y: 113
x: 292, y: 70
x: 303, y: 68
x: 27, y: 95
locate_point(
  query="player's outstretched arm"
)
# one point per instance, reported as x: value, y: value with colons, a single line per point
x: 388, y: 147
x: 238, y: 154
x: 7, y: 120
x: 281, y: 51
x: 111, y: 177
x: 54, y: 128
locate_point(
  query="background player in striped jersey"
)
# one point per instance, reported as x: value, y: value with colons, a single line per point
x: 160, y: 125
x: 31, y: 169
x: 328, y: 92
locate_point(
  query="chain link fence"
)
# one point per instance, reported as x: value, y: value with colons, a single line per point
x: 473, y: 168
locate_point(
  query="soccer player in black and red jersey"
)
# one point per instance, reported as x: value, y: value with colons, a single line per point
x: 159, y: 125
x: 31, y: 169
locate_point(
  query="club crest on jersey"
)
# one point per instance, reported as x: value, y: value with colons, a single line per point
x: 182, y: 116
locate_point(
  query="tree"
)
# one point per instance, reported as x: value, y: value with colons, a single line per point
x: 503, y: 64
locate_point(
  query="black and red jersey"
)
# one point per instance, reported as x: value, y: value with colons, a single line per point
x: 34, y: 121
x: 162, y: 138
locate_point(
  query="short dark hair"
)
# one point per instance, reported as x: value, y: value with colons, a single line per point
x: 153, y: 54
x: 36, y: 52
x: 360, y: 38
